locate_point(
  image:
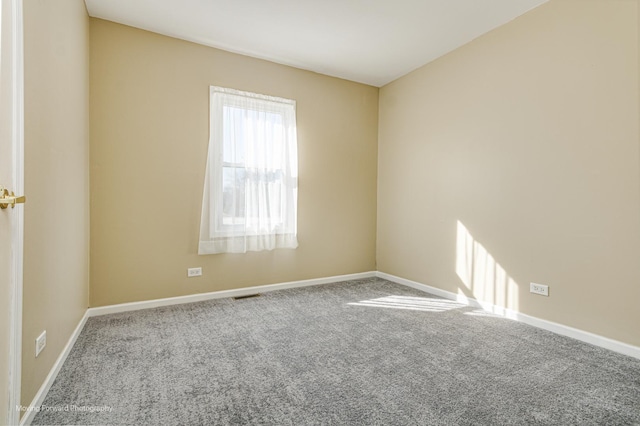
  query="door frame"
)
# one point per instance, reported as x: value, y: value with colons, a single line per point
x: 17, y: 227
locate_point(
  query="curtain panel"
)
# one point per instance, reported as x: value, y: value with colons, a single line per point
x: 250, y: 193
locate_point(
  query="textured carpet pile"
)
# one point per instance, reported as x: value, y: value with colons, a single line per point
x: 364, y: 352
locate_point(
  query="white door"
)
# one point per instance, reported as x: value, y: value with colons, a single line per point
x: 11, y: 217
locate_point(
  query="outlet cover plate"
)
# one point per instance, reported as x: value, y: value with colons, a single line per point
x: 194, y: 272
x: 540, y: 289
x: 41, y: 342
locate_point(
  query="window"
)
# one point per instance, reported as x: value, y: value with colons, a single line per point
x: 251, y: 183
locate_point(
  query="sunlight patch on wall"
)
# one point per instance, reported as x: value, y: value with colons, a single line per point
x: 484, y: 279
x: 425, y: 304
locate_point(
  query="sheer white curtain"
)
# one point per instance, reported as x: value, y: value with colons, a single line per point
x: 251, y: 183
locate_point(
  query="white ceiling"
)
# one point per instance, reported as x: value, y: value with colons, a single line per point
x: 368, y: 41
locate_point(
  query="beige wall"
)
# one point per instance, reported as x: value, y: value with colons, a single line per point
x: 149, y: 137
x: 56, y: 259
x: 516, y: 159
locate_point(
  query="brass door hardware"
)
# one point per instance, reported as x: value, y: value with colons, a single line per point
x: 9, y: 199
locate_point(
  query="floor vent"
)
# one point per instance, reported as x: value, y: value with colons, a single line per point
x: 246, y: 297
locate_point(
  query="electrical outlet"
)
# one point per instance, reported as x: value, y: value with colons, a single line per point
x: 540, y: 289
x: 194, y: 272
x: 41, y: 342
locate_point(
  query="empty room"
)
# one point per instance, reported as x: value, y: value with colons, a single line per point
x: 418, y: 212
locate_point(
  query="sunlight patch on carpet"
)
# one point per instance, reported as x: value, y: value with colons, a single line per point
x: 425, y: 304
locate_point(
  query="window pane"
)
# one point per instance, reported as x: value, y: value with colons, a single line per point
x: 233, y: 195
x: 275, y: 140
x: 233, y: 138
x: 266, y: 198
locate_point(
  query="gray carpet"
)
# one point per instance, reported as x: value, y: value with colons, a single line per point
x: 364, y: 352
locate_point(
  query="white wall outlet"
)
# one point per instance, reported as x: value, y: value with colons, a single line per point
x: 539, y: 289
x: 41, y: 342
x: 194, y: 272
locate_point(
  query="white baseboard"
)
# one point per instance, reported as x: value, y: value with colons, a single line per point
x: 51, y: 377
x: 585, y: 336
x: 148, y: 304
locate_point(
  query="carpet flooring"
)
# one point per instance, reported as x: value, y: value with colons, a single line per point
x: 365, y: 352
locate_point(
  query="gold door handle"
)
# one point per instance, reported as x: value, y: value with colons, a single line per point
x: 7, y: 199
